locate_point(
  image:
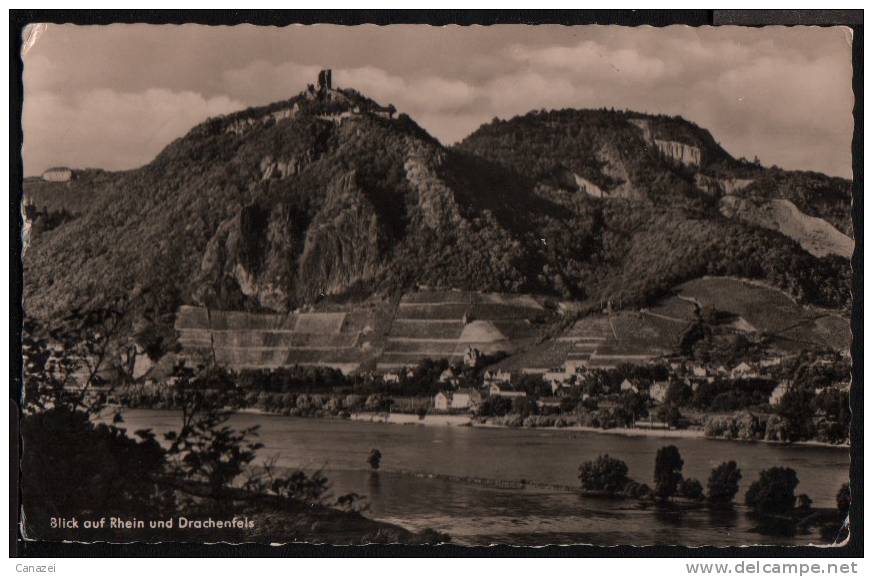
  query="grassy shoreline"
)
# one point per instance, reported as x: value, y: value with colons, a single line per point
x: 467, y: 421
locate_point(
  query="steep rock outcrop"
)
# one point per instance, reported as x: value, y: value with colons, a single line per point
x: 817, y: 236
x: 273, y: 257
x: 435, y: 200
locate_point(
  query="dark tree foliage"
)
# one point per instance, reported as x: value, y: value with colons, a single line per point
x: 804, y: 503
x: 844, y: 499
x: 76, y: 463
x: 691, y: 489
x: 634, y: 405
x: 668, y: 471
x: 495, y: 406
x: 603, y: 474
x: 669, y: 414
x: 206, y: 450
x: 797, y: 409
x: 773, y: 492
x: 678, y: 394
x: 723, y: 483
x: 74, y: 467
x: 724, y: 395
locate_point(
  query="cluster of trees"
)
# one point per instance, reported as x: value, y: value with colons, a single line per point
x: 772, y: 494
x: 723, y: 395
x: 609, y: 476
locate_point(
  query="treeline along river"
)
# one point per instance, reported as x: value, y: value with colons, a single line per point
x: 483, y: 513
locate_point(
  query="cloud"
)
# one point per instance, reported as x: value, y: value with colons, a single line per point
x: 782, y: 94
x: 262, y: 82
x: 595, y: 61
x: 107, y: 129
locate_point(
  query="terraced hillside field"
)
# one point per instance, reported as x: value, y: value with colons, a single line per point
x: 603, y: 341
x: 444, y: 324
x: 239, y: 340
x: 764, y: 309
x: 421, y: 325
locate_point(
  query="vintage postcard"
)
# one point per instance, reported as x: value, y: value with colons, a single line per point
x: 517, y: 285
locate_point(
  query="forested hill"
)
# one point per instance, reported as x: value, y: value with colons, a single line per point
x: 330, y: 195
x: 626, y: 154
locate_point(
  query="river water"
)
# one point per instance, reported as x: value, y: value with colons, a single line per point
x: 475, y: 514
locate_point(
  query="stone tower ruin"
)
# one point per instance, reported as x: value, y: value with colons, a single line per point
x: 324, y: 81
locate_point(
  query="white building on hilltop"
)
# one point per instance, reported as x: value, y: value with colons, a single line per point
x: 58, y: 174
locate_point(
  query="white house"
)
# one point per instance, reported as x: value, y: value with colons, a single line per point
x: 442, y: 400
x: 558, y: 377
x: 58, y: 174
x: 496, y: 390
x: 391, y: 378
x: 549, y: 402
x: 743, y: 371
x: 699, y: 371
x: 498, y: 376
x: 627, y: 385
x: 575, y: 366
x: 449, y: 377
x: 658, y: 391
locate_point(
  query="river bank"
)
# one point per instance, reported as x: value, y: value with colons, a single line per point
x: 468, y: 421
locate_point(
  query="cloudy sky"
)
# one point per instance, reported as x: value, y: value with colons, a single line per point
x: 114, y: 96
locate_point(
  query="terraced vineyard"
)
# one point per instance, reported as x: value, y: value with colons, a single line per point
x: 241, y: 340
x: 424, y: 325
x: 431, y: 324
x: 768, y: 310
x: 444, y: 324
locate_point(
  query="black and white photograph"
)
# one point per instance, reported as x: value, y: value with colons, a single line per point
x: 520, y: 285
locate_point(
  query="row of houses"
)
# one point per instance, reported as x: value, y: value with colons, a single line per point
x: 468, y: 398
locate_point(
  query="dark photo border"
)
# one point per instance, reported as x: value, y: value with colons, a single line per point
x: 20, y: 18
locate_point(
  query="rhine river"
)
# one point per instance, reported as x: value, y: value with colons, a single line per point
x: 476, y: 514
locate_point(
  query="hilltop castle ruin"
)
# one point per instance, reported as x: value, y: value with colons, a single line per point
x: 323, y: 101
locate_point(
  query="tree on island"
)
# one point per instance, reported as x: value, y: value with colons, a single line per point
x: 374, y: 459
x: 723, y: 483
x: 603, y: 474
x: 668, y: 471
x: 773, y: 492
